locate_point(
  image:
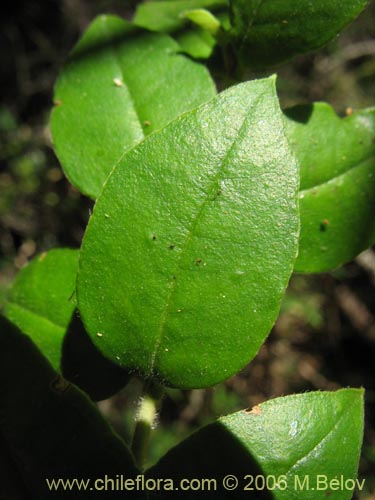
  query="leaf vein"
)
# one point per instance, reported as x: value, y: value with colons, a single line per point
x: 190, y: 233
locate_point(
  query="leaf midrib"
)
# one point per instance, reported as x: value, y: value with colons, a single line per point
x: 321, y: 440
x: 190, y: 233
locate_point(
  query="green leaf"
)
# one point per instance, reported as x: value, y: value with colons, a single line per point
x: 41, y: 301
x: 337, y: 197
x: 204, y: 19
x: 196, y: 42
x: 268, y: 33
x: 119, y: 85
x: 299, y: 446
x: 167, y: 16
x: 51, y: 428
x: 192, y: 242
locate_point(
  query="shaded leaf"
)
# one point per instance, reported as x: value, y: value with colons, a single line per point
x: 280, y: 440
x: 41, y: 303
x: 192, y: 242
x: 337, y: 197
x: 51, y: 428
x: 11, y: 484
x: 120, y: 84
x: 268, y: 33
x: 41, y: 300
x: 84, y: 365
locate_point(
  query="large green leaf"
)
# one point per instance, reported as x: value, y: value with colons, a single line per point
x: 192, y: 242
x: 41, y: 300
x: 120, y: 84
x: 265, y: 33
x: 301, y: 446
x: 337, y: 198
x: 52, y: 429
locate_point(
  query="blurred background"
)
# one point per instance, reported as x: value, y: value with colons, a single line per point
x: 324, y: 338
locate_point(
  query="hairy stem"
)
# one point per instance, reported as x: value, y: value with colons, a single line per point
x: 145, y: 419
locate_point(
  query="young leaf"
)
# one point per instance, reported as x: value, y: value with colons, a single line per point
x: 337, y: 197
x: 203, y: 18
x: 196, y: 42
x: 284, y: 449
x: 119, y: 85
x: 41, y: 300
x: 192, y: 242
x: 51, y: 428
x: 268, y: 33
x: 168, y: 16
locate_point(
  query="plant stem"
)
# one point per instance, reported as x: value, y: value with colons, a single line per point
x: 145, y: 420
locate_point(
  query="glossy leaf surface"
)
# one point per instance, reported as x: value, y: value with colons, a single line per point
x: 119, y: 85
x: 301, y: 446
x: 337, y: 198
x: 41, y: 301
x: 192, y: 242
x: 268, y: 33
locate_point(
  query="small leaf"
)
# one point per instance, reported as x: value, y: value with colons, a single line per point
x: 51, y: 428
x: 191, y: 244
x: 167, y: 16
x: 119, y: 85
x: 299, y: 446
x: 41, y: 301
x: 337, y: 197
x: 204, y: 19
x: 196, y: 42
x: 268, y: 33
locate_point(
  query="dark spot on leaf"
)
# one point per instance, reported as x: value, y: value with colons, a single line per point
x: 324, y: 225
x: 147, y: 123
x: 198, y: 261
x: 154, y: 237
x: 171, y: 247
